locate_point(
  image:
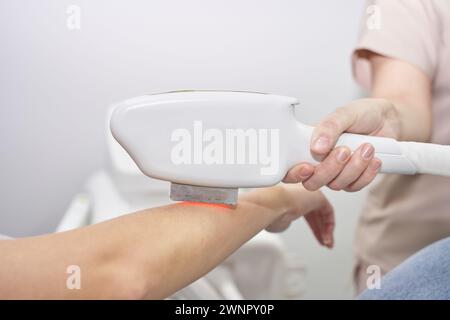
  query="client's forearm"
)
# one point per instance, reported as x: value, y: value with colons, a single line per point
x: 175, y: 245
x: 152, y: 253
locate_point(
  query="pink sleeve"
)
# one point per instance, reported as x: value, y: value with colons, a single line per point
x: 407, y: 30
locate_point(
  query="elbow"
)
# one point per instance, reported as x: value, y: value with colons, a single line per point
x: 133, y: 288
x: 130, y: 284
x: 142, y: 285
x: 123, y: 276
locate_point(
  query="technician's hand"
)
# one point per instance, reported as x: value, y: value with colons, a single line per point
x: 339, y: 169
x: 314, y: 206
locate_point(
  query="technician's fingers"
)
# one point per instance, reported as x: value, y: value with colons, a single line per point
x: 327, y: 132
x: 299, y: 173
x: 354, y: 168
x: 328, y: 169
x: 367, y: 177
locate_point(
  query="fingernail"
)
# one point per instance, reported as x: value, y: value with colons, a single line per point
x: 321, y: 144
x: 367, y: 151
x: 305, y: 172
x: 343, y: 154
x: 375, y: 165
x: 327, y: 241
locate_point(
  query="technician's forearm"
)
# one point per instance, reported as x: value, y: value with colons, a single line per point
x: 414, y: 121
x: 409, y: 90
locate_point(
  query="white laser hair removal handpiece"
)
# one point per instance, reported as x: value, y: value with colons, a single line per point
x: 210, y: 143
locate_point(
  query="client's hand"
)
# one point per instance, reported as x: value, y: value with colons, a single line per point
x: 314, y: 206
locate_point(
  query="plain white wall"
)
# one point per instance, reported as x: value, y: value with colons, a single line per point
x: 56, y: 85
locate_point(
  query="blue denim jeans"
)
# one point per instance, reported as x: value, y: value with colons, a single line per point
x: 425, y: 275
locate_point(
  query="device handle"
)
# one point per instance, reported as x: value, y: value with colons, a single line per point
x: 396, y: 157
x: 404, y: 157
x: 388, y: 150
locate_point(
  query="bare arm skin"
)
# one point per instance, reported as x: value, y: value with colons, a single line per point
x: 399, y: 107
x: 152, y: 253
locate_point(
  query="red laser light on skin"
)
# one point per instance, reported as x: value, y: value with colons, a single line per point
x: 204, y: 204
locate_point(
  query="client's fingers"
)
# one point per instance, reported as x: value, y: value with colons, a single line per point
x: 322, y: 224
x: 354, y: 168
x: 328, y: 169
x: 327, y: 221
x: 311, y: 219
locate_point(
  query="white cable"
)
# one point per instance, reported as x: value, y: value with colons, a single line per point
x: 428, y: 158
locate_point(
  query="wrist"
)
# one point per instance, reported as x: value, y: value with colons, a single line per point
x: 274, y: 200
x: 402, y: 121
x: 414, y: 125
x: 391, y: 124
